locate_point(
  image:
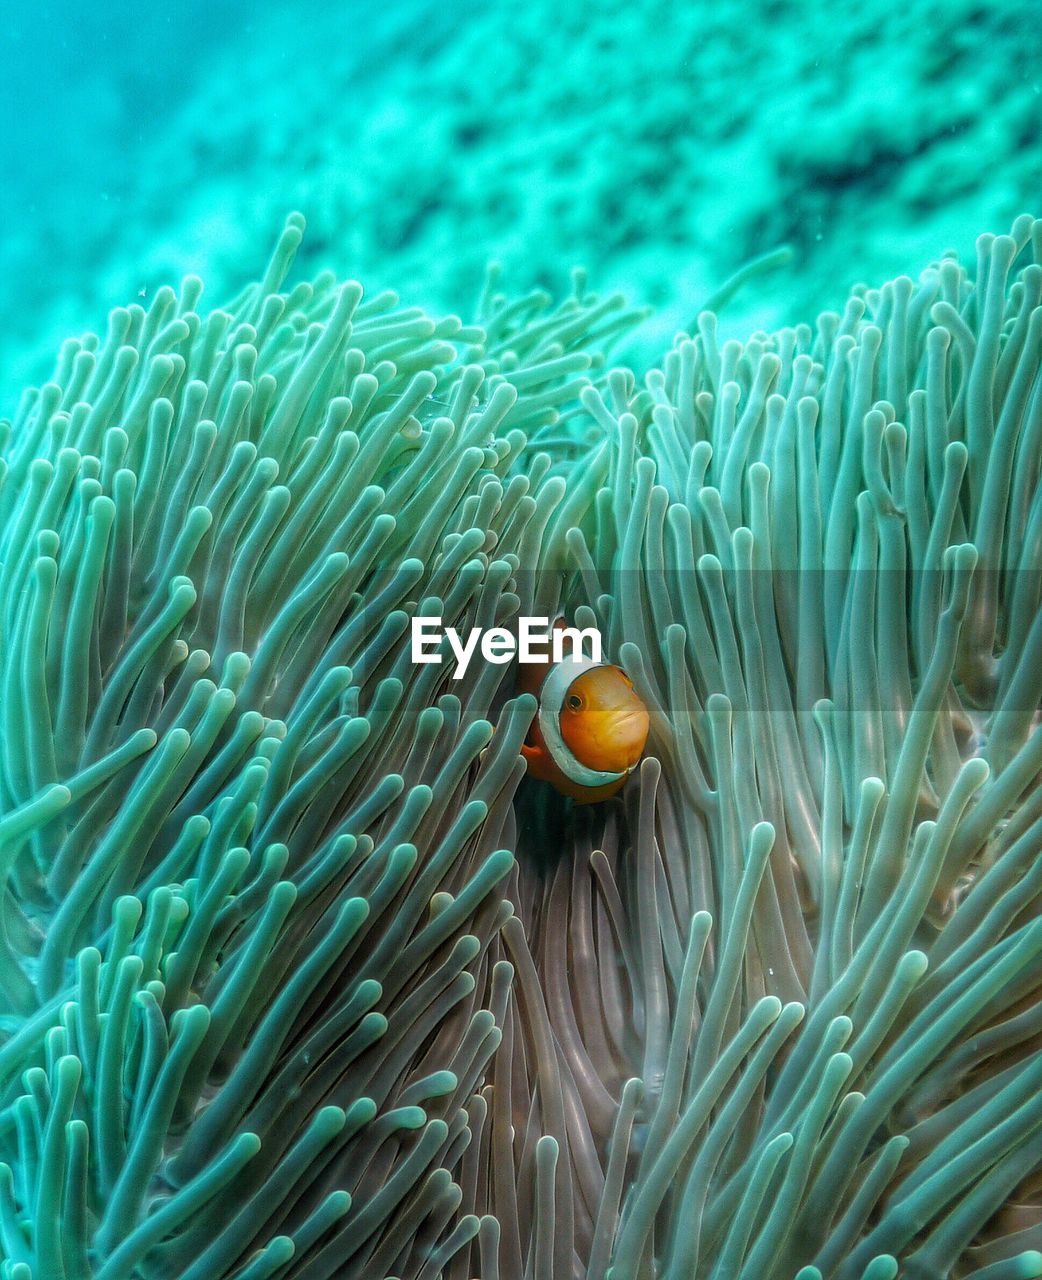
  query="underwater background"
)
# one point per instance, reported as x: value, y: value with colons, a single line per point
x: 718, y: 328
x: 663, y: 146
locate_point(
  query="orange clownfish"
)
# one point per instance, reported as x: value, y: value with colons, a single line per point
x: 589, y: 730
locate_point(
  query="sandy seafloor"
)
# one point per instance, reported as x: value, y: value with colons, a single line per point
x: 661, y: 145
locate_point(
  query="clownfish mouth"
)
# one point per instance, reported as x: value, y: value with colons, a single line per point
x: 620, y: 741
x: 630, y: 730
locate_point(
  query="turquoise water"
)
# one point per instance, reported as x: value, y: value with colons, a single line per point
x: 660, y: 146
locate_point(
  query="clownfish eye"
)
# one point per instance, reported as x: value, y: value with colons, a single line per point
x: 575, y: 702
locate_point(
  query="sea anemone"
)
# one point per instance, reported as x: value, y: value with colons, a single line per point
x: 299, y: 979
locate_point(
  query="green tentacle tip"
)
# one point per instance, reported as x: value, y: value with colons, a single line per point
x: 1022, y: 1266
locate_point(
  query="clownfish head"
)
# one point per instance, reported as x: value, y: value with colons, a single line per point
x: 592, y: 729
x: 603, y: 722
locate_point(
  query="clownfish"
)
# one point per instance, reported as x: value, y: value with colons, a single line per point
x: 589, y: 729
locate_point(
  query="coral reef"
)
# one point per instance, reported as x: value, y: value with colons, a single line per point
x: 661, y: 145
x: 301, y: 979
